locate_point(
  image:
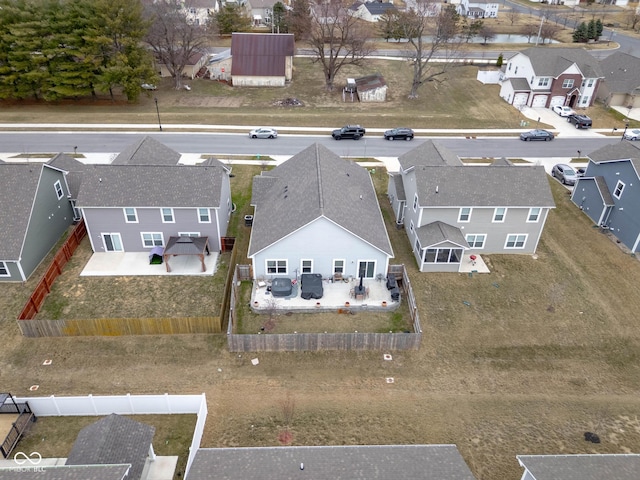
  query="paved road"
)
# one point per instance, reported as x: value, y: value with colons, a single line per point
x: 221, y: 144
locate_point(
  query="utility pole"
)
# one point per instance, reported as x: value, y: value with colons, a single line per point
x: 539, y: 30
x: 158, y: 112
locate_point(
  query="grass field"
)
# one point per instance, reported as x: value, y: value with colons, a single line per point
x: 546, y: 349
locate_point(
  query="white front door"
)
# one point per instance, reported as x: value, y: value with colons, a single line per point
x: 112, y: 242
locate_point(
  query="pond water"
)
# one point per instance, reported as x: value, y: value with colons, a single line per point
x: 505, y: 38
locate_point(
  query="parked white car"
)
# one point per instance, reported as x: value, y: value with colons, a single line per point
x: 632, y: 134
x: 263, y: 132
x: 563, y: 110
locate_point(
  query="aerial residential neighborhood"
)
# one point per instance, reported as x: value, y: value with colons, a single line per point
x: 298, y: 239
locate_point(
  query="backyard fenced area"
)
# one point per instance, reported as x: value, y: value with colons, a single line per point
x: 313, y: 341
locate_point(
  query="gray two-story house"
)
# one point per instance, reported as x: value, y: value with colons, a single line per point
x: 133, y: 208
x: 34, y: 213
x: 450, y: 210
x: 608, y: 193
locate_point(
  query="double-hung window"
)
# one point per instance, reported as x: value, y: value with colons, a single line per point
x: 4, y: 270
x: 516, y: 240
x: 567, y: 83
x: 499, y: 214
x: 276, y: 266
x: 130, y: 215
x: 203, y: 215
x: 476, y: 240
x: 152, y: 239
x: 465, y: 214
x: 58, y: 187
x: 534, y: 215
x: 618, y: 190
x: 167, y: 215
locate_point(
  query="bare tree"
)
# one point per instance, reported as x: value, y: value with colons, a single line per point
x: 486, y: 33
x: 549, y: 31
x: 513, y: 16
x: 529, y: 30
x: 632, y: 16
x: 173, y: 39
x: 337, y: 38
x: 432, y: 33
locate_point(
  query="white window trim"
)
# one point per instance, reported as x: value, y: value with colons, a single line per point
x: 200, y: 216
x: 460, y: 215
x: 344, y: 265
x: 476, y: 235
x: 415, y: 202
x: 302, y: 265
x: 142, y: 234
x: 515, y: 247
x: 495, y: 213
x: 367, y: 261
x: 620, y: 184
x: 537, y: 217
x: 188, y: 234
x: 568, y: 83
x: 286, y: 266
x: 3, y: 266
x: 59, y: 190
x: 173, y: 217
x: 126, y: 218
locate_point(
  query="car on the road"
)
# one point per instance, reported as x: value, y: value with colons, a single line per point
x: 263, y: 132
x: 563, y: 110
x: 355, y: 132
x: 632, y: 134
x: 566, y: 174
x: 537, y: 134
x: 580, y: 121
x: 148, y: 86
x: 400, y: 133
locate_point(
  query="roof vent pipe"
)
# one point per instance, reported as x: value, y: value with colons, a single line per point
x: 302, y: 466
x: 437, y: 187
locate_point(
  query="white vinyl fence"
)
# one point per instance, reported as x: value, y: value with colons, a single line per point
x: 125, y: 405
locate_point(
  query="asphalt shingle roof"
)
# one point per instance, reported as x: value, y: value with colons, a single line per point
x: 437, y: 232
x: 312, y: 184
x: 616, y: 151
x: 622, y: 73
x: 582, y: 467
x: 147, y: 151
x: 554, y: 62
x: 151, y: 186
x: 443, y: 181
x: 62, y: 472
x: 379, y: 8
x: 113, y: 440
x: 18, y: 186
x: 369, y: 462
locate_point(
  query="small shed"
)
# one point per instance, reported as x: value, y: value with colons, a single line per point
x: 185, y: 245
x: 372, y: 88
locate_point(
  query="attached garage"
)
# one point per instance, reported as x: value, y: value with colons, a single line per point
x: 520, y: 99
x: 540, y: 101
x: 559, y: 100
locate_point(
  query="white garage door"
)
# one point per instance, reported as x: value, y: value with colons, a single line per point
x: 556, y: 101
x: 520, y: 99
x: 539, y: 101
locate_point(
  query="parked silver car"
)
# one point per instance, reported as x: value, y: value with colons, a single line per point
x: 566, y: 174
x: 263, y: 132
x: 632, y: 134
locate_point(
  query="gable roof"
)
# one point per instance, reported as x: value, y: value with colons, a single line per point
x: 617, y: 151
x: 438, y: 232
x: 601, y: 187
x: 18, y: 186
x: 622, y: 73
x: 74, y: 170
x: 553, y: 62
x: 63, y: 472
x: 260, y: 54
x: 147, y: 151
x: 378, y: 8
x: 113, y: 440
x: 582, y: 467
x: 428, y: 153
x: 365, y: 462
x: 151, y: 186
x: 443, y: 181
x: 370, y: 82
x: 312, y: 184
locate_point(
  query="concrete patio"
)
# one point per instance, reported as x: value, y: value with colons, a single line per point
x: 125, y: 264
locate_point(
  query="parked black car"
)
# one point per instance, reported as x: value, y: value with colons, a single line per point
x: 537, y: 134
x: 580, y: 121
x: 355, y: 132
x: 400, y: 133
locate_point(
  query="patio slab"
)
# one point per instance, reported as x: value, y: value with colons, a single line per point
x: 125, y: 264
x: 335, y: 295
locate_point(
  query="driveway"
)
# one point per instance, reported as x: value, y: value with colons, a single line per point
x: 560, y: 125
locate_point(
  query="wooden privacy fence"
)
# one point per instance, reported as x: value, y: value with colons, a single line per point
x: 300, y: 342
x: 119, y: 326
x: 60, y: 259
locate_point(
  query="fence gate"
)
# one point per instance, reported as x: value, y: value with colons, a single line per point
x: 227, y: 243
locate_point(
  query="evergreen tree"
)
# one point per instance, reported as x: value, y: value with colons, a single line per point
x: 580, y: 34
x: 388, y: 25
x: 500, y: 61
x: 599, y: 28
x: 300, y: 19
x: 592, y: 31
x: 232, y: 18
x: 280, y: 24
